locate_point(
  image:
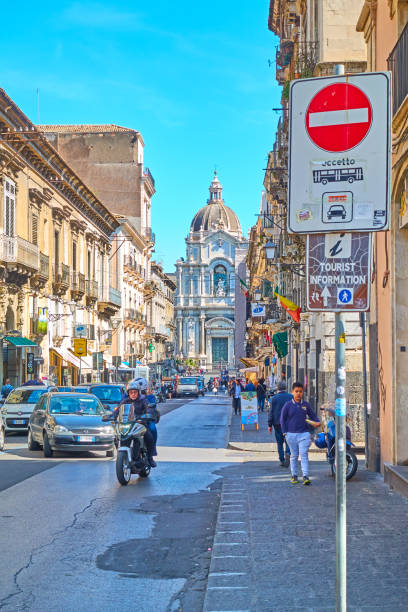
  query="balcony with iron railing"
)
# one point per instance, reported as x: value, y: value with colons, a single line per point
x: 148, y: 174
x: 115, y: 296
x: 17, y: 250
x: 397, y: 64
x: 44, y: 266
x: 151, y: 236
x: 91, y: 289
x: 77, y: 284
x: 60, y: 278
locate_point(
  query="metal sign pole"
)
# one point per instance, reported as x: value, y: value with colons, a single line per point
x: 363, y: 339
x: 80, y: 366
x: 340, y: 417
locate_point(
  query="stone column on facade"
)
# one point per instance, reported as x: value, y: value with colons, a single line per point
x: 20, y: 310
x: 202, y: 335
x: 230, y: 349
x: 202, y: 282
x: 179, y: 335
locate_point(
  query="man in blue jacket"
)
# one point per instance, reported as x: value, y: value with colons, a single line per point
x: 296, y: 419
x: 277, y: 403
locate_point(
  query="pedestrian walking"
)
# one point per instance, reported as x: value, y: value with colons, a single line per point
x: 277, y: 403
x: 6, y: 388
x: 236, y: 391
x: 250, y: 386
x: 296, y: 419
x: 261, y: 394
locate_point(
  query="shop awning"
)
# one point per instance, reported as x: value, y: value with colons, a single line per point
x: 20, y: 341
x: 66, y: 355
x: 249, y: 362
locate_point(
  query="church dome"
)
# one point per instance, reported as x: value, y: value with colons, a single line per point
x: 215, y: 215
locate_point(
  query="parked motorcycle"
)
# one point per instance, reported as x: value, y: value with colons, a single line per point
x: 132, y: 457
x: 327, y: 440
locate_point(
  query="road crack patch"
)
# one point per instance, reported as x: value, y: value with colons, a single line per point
x: 19, y: 590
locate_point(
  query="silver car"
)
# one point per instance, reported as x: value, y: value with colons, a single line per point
x: 70, y: 422
x: 19, y: 405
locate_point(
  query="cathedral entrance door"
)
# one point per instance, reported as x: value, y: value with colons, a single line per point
x: 219, y: 350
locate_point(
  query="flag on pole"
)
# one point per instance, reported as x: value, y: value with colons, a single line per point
x: 244, y: 288
x: 291, y: 308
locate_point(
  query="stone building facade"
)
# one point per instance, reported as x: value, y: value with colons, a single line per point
x: 207, y: 302
x: 55, y: 273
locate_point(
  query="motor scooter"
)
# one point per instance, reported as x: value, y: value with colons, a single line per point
x: 327, y: 440
x: 132, y: 456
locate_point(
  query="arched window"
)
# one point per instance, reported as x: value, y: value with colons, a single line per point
x: 220, y: 281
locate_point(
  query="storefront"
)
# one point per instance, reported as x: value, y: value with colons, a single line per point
x: 20, y: 359
x: 65, y: 367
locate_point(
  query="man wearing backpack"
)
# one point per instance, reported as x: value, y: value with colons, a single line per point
x: 261, y: 394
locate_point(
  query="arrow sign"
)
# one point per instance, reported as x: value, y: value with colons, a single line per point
x: 325, y: 294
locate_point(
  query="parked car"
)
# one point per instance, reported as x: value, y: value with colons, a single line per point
x: 110, y: 395
x: 70, y: 422
x: 19, y: 405
x: 71, y: 389
x: 187, y: 385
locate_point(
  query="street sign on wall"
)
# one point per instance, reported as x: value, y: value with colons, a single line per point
x: 338, y: 272
x: 339, y: 154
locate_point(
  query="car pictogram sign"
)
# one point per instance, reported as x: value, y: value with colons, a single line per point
x: 339, y: 117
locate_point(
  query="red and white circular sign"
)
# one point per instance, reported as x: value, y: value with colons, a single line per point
x: 339, y: 117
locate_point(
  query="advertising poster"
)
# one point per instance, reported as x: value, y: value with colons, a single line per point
x: 249, y: 409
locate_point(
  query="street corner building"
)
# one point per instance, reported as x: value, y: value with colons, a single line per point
x: 54, y: 257
x: 210, y: 309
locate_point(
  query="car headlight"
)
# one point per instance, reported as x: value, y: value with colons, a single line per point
x: 108, y: 430
x: 61, y: 429
x: 4, y: 410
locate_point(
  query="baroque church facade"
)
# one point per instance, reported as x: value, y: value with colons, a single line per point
x: 209, y: 307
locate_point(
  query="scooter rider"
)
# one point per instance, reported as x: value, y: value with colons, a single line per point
x: 140, y: 406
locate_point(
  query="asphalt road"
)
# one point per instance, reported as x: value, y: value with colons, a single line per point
x: 76, y: 540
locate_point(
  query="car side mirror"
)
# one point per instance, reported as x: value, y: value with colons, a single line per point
x: 108, y: 416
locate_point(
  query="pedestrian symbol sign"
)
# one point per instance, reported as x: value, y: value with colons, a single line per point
x: 344, y: 296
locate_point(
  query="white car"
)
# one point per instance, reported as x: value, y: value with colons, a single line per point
x: 2, y: 433
x: 19, y: 405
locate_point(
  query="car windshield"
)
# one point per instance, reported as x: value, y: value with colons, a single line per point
x: 108, y: 394
x: 187, y: 381
x: 75, y: 405
x: 25, y: 396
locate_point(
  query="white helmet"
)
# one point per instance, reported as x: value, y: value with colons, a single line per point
x: 138, y: 383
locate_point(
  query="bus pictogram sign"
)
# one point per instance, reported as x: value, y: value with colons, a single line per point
x: 339, y: 117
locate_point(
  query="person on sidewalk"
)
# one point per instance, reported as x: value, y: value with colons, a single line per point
x: 296, y: 419
x: 236, y: 390
x: 261, y: 394
x: 250, y: 386
x: 277, y: 403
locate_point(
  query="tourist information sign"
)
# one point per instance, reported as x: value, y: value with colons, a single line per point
x: 337, y: 271
x: 339, y: 154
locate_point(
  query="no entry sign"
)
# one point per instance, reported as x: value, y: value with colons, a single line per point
x: 338, y: 272
x: 338, y: 117
x: 339, y: 154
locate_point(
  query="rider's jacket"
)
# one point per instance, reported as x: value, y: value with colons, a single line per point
x: 139, y: 406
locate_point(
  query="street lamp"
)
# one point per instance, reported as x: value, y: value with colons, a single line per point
x: 270, y: 250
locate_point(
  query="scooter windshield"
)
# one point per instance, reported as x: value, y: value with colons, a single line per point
x: 124, y: 413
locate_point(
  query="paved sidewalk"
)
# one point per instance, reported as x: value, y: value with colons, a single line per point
x: 250, y: 439
x: 274, y: 547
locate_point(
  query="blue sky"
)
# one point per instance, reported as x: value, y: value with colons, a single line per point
x: 193, y: 78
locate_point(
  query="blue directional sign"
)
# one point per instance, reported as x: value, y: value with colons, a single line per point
x: 344, y: 296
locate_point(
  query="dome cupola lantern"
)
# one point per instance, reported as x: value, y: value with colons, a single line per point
x: 216, y: 215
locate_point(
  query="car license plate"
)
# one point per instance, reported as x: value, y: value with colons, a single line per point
x: 86, y: 439
x: 19, y: 422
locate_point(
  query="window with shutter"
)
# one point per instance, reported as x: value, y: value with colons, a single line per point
x: 34, y: 229
x: 9, y: 207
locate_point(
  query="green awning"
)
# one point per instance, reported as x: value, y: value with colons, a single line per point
x: 20, y: 341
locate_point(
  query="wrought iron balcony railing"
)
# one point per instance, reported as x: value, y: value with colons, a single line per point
x: 397, y: 64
